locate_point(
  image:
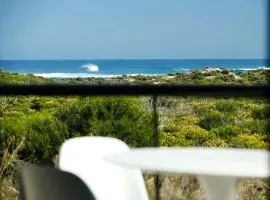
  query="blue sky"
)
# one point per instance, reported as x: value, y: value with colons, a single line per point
x: 115, y: 29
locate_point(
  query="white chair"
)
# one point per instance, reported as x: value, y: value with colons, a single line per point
x: 83, y: 156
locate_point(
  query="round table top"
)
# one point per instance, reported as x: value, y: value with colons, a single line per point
x: 197, y: 160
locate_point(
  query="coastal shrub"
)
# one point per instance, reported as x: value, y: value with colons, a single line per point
x: 187, y: 119
x: 171, y: 128
x: 215, y: 119
x: 226, y: 77
x: 76, y: 116
x: 51, y: 104
x: 253, y: 141
x: 6, y: 103
x: 170, y: 140
x: 197, y: 135
x: 11, y: 128
x: 36, y: 104
x: 165, y: 102
x: 203, y: 108
x: 189, y: 134
x: 126, y: 119
x: 257, y: 126
x: 256, y: 76
x: 261, y: 113
x: 216, y: 142
x: 196, y: 75
x: 226, y: 71
x: 227, y: 105
x: 14, y: 106
x: 226, y: 132
x: 43, y: 135
x: 10, y: 78
x: 123, y: 118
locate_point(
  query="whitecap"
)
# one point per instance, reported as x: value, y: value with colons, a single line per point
x: 251, y: 68
x: 86, y: 75
x: 74, y: 75
x: 90, y: 67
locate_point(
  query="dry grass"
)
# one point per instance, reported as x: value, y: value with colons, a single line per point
x: 254, y: 189
x: 9, y: 163
x: 188, y: 188
x: 8, y: 189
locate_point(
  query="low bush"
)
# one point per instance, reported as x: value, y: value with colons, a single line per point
x: 171, y: 140
x: 199, y: 136
x: 202, y: 108
x: 226, y: 132
x: 184, y: 134
x: 227, y: 105
x: 215, y: 119
x: 261, y: 113
x: 43, y: 136
x: 257, y: 126
x: 249, y: 141
x: 217, y: 142
x: 187, y: 120
x: 123, y: 118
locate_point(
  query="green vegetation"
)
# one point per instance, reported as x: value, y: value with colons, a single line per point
x: 123, y: 118
x: 45, y: 123
x: 213, y: 122
x: 198, y: 77
x: 33, y: 128
x: 9, y: 78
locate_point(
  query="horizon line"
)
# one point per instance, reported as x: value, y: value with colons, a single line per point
x: 69, y: 59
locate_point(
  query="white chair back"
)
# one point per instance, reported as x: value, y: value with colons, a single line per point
x: 83, y: 156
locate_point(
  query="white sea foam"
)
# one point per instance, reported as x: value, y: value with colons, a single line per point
x: 74, y: 75
x: 86, y: 75
x: 145, y: 74
x: 251, y: 68
x: 90, y: 67
x: 99, y: 75
x: 181, y: 69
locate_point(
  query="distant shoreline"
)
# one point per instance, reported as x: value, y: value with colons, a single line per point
x: 126, y: 67
x: 60, y: 75
x: 197, y: 77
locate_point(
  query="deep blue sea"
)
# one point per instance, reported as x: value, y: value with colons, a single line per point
x: 110, y: 68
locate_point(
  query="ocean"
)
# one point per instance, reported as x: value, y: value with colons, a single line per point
x: 112, y: 68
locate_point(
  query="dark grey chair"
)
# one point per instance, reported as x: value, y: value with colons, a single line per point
x: 48, y: 183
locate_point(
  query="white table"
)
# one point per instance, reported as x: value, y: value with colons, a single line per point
x: 216, y: 168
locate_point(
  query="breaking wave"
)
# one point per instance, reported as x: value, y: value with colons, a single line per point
x: 90, y: 67
x: 250, y: 68
x: 74, y: 75
x: 86, y: 75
